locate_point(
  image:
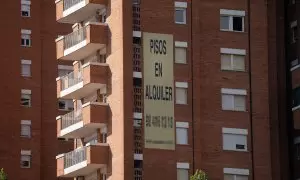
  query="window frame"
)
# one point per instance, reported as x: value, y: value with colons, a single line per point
x: 186, y: 138
x: 23, y: 64
x: 28, y: 11
x: 231, y: 23
x: 26, y: 93
x: 233, y: 103
x: 232, y: 62
x: 28, y: 158
x: 184, y: 15
x: 235, y: 132
x: 27, y: 41
x: 231, y: 14
x: 26, y: 123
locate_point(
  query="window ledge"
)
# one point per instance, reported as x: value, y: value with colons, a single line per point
x: 236, y: 150
x: 228, y: 70
x: 225, y: 30
x: 183, y: 23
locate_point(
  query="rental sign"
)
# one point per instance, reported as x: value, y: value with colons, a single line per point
x: 159, y: 122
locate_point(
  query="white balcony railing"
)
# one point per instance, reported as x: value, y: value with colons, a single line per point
x: 74, y: 38
x: 71, y: 118
x: 70, y: 3
x: 70, y: 80
x: 75, y: 157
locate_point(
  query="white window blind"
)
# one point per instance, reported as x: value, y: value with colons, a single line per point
x: 180, y: 55
x: 181, y: 135
x: 182, y: 174
x: 233, y: 102
x: 181, y: 95
x: 233, y: 62
x: 26, y: 68
x: 25, y: 129
x: 235, y: 142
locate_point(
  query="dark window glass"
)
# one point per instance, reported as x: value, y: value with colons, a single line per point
x: 296, y: 97
x: 237, y: 23
x: 240, y: 146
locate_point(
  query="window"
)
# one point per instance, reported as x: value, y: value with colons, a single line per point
x: 26, y: 68
x: 180, y: 52
x: 180, y: 12
x: 233, y: 59
x: 26, y: 128
x: 182, y: 133
x: 294, y: 32
x: 232, y: 20
x: 181, y: 92
x: 25, y: 159
x: 25, y: 8
x: 182, y: 171
x: 65, y: 104
x: 235, y: 139
x: 233, y: 99
x: 25, y: 38
x: 296, y: 97
x: 235, y: 174
x: 26, y: 97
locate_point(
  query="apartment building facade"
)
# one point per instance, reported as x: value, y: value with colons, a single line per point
x: 162, y: 88
x: 28, y: 139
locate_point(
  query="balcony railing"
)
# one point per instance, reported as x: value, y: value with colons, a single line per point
x: 138, y: 173
x: 70, y: 80
x: 137, y: 99
x: 74, y: 38
x: 137, y: 65
x: 70, y: 3
x: 138, y: 142
x: 74, y: 157
x: 71, y: 118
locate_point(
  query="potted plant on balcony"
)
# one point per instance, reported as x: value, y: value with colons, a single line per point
x: 3, y: 175
x: 199, y: 175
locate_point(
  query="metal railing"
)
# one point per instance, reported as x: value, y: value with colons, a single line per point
x: 69, y: 3
x: 137, y: 99
x: 138, y: 141
x: 74, y: 157
x: 70, y: 80
x: 136, y: 17
x: 74, y: 38
x: 137, y: 65
x: 71, y: 118
x: 138, y: 173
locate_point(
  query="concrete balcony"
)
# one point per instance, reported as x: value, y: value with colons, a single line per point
x: 82, y: 161
x: 84, y: 121
x: 72, y: 11
x: 82, y: 43
x: 89, y: 79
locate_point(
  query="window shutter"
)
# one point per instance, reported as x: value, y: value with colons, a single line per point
x: 181, y: 96
x: 226, y: 62
x: 227, y: 102
x: 180, y: 55
x: 182, y: 174
x: 239, y: 62
x: 239, y: 103
x: 181, y: 136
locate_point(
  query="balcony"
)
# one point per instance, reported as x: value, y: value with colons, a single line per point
x: 72, y: 11
x: 82, y: 43
x: 80, y: 123
x: 82, y: 161
x: 89, y: 79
